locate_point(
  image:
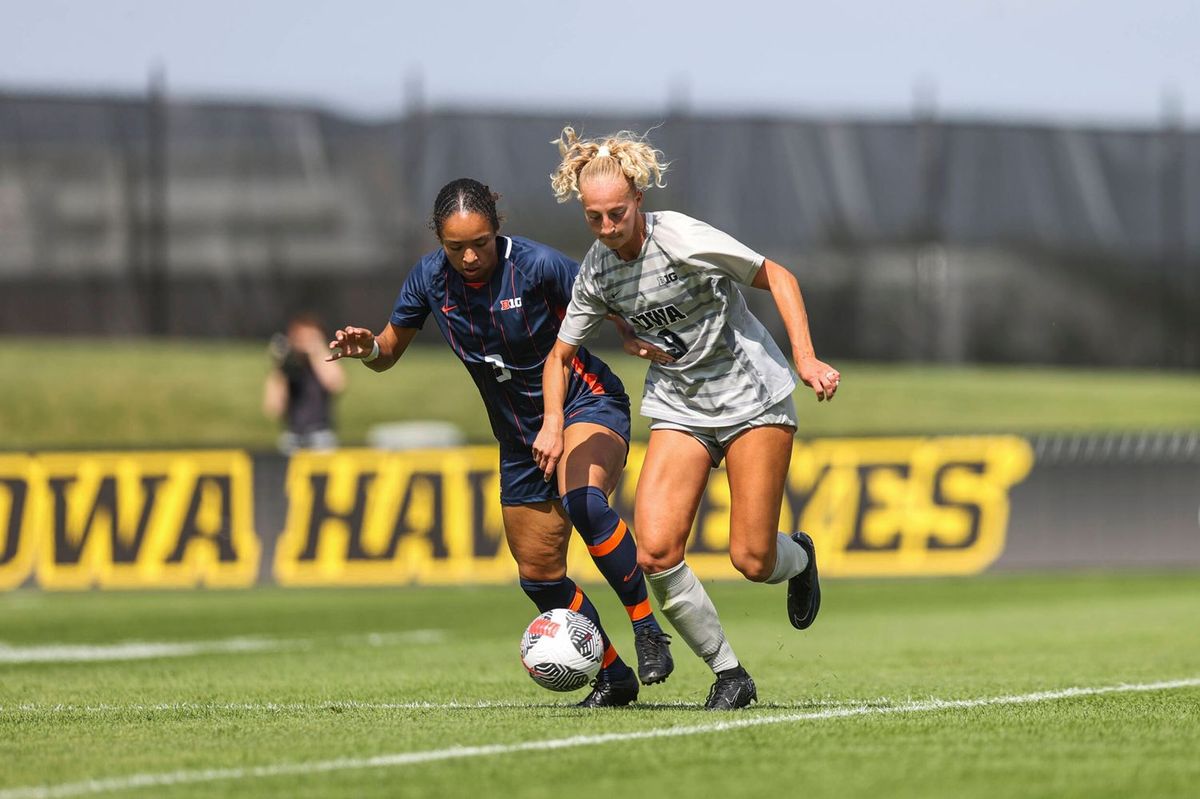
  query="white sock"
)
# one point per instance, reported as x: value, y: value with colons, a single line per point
x: 685, y: 602
x: 790, y: 559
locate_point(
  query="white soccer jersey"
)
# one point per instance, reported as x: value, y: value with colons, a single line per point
x: 681, y: 293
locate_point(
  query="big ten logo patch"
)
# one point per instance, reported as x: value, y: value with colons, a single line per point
x: 128, y: 520
x: 506, y: 305
x: 363, y: 517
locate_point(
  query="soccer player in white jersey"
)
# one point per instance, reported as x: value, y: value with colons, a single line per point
x: 718, y: 387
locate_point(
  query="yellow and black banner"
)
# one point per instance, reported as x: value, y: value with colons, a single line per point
x: 369, y: 517
x: 875, y: 507
x: 913, y: 506
x: 920, y: 506
x: 128, y: 520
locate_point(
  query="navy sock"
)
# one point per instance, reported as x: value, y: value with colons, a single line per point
x: 613, y: 550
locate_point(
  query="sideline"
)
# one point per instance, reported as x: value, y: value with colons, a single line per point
x: 97, y: 786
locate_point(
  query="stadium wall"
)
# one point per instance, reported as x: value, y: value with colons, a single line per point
x: 977, y: 241
x: 877, y: 507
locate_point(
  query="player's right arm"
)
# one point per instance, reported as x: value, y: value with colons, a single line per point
x: 358, y: 342
x: 548, y: 446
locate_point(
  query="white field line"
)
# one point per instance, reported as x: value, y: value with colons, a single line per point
x: 143, y: 650
x: 104, y: 785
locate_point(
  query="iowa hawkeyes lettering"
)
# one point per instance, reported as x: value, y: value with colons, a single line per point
x: 658, y: 317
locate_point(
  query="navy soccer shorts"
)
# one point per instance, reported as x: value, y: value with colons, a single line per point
x: 522, y: 482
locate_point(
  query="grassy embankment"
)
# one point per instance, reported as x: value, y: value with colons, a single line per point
x: 63, y: 394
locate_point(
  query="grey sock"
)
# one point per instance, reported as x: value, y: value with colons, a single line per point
x: 685, y: 602
x: 790, y: 559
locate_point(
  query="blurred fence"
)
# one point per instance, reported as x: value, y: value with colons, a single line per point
x: 920, y: 239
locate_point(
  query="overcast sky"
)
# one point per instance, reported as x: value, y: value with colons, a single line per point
x: 1058, y: 60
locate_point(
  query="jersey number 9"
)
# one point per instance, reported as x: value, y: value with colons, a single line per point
x: 674, y: 344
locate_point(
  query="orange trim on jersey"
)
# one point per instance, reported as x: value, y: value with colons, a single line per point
x: 610, y: 543
x: 639, y: 611
x: 590, y: 379
x: 577, y: 601
x: 475, y: 285
x: 610, y: 655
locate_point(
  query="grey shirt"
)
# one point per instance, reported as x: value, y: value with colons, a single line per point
x: 681, y: 294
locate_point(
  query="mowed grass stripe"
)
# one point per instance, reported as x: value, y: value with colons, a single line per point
x: 151, y: 650
x: 240, y: 708
x: 89, y: 787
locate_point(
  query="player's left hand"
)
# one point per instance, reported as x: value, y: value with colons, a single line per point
x: 548, y: 449
x: 351, y: 342
x: 822, y: 378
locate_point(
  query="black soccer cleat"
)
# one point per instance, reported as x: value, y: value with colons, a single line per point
x: 804, y: 590
x: 654, y: 655
x: 733, y: 689
x: 611, y: 693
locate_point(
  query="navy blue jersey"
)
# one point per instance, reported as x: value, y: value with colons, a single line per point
x: 503, y: 329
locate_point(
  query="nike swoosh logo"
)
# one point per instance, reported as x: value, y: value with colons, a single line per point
x: 629, y: 576
x: 448, y: 308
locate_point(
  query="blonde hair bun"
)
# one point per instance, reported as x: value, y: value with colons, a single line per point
x: 623, y: 153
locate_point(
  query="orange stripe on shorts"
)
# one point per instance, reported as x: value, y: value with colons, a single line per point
x: 610, y: 543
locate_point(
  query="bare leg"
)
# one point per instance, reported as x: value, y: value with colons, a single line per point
x: 673, y: 477
x: 757, y: 464
x: 593, y: 455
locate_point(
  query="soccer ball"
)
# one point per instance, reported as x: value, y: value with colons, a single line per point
x: 562, y: 650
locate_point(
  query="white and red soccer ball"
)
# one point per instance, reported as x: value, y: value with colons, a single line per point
x: 562, y: 650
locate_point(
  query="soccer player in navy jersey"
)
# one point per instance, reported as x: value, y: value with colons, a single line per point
x: 498, y: 301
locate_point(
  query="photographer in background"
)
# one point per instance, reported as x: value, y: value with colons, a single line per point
x: 301, y: 385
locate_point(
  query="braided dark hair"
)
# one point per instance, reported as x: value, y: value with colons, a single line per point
x: 464, y: 195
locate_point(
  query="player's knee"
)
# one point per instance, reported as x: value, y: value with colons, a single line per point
x: 658, y: 559
x: 542, y: 567
x: 754, y: 566
x: 589, y: 512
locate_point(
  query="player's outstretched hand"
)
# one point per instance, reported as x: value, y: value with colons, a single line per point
x: 644, y: 349
x: 822, y: 378
x: 548, y: 450
x: 351, y: 342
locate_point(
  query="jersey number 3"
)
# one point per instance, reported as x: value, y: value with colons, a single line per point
x: 502, y: 373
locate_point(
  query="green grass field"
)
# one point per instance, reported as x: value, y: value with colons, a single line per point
x: 413, y: 693
x: 64, y: 394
